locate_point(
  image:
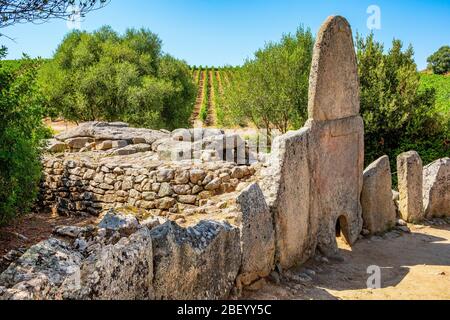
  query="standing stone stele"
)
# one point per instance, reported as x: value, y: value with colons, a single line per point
x: 379, y: 212
x: 257, y: 236
x: 436, y: 188
x: 337, y: 136
x: 410, y: 182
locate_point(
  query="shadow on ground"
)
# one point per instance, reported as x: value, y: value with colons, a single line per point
x: 412, y: 262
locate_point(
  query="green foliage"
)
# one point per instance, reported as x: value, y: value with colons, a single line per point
x: 11, y: 65
x: 21, y: 134
x: 271, y: 91
x: 112, y: 77
x: 204, y: 108
x: 399, y: 115
x: 439, y: 62
x: 442, y: 86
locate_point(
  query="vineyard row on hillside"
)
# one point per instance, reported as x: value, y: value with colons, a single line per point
x: 211, y: 83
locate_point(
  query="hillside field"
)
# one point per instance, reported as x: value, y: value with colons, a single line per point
x: 442, y: 86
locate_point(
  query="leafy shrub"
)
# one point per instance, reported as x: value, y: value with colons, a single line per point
x: 441, y: 84
x: 21, y: 134
x: 112, y: 77
x: 439, y: 62
x: 399, y: 115
x: 271, y: 91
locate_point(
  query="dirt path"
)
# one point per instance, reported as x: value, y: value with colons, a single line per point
x: 219, y: 82
x: 195, y: 121
x: 413, y: 266
x: 60, y: 126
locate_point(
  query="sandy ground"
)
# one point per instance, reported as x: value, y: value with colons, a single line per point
x: 60, y: 126
x: 413, y: 266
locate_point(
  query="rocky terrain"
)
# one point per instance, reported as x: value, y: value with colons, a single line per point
x: 199, y: 214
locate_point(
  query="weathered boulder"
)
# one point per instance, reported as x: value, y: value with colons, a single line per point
x: 379, y: 212
x: 410, y: 185
x: 132, y: 149
x: 116, y: 144
x: 196, y: 134
x: 196, y: 263
x: 123, y: 271
x: 98, y: 270
x: 55, y: 146
x: 101, y: 131
x: 78, y: 142
x: 436, y: 188
x: 47, y: 271
x: 257, y: 236
x: 286, y: 186
x: 105, y: 145
x: 125, y: 224
x: 170, y: 150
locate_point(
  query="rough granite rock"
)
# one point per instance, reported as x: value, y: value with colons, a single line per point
x: 132, y: 149
x: 123, y: 271
x: 55, y: 146
x: 196, y: 263
x: 47, y: 271
x: 78, y: 142
x: 436, y: 188
x: 125, y: 224
x: 286, y: 186
x: 57, y: 270
x: 379, y: 212
x: 334, y: 84
x: 336, y: 139
x: 410, y: 184
x: 257, y: 236
x: 337, y: 165
x: 197, y: 134
x: 101, y: 131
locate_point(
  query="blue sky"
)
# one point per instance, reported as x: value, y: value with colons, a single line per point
x: 219, y: 32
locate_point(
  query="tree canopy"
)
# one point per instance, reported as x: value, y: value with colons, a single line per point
x: 21, y: 133
x: 398, y: 114
x: 439, y: 62
x: 37, y: 11
x: 112, y: 77
x: 271, y: 90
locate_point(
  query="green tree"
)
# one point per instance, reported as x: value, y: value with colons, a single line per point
x: 271, y: 91
x: 112, y: 77
x: 21, y: 135
x: 439, y: 62
x: 398, y: 115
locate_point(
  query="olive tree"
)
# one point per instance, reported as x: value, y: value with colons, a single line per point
x: 112, y: 77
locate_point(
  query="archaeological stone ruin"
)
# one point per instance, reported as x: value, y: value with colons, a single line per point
x: 199, y: 214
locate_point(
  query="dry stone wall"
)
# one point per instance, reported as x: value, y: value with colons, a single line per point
x: 83, y: 185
